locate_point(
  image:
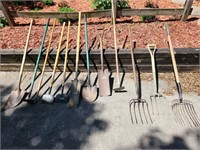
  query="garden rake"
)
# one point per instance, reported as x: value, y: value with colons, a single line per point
x: 142, y: 105
x: 183, y: 110
x: 157, y: 95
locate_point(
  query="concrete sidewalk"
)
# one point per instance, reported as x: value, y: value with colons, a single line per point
x: 104, y: 124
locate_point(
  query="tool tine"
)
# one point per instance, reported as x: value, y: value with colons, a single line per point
x: 140, y: 113
x: 187, y: 115
x: 144, y: 112
x: 135, y: 114
x: 152, y: 104
x: 194, y: 115
x: 149, y: 112
x: 130, y: 104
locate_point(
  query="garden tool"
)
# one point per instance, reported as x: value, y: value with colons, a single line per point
x: 18, y: 95
x: 139, y: 104
x: 183, y: 110
x: 37, y: 63
x: 45, y: 61
x: 63, y: 97
x: 104, y: 81
x: 152, y: 50
x: 75, y: 86
x: 119, y: 86
x: 89, y: 92
x: 48, y: 97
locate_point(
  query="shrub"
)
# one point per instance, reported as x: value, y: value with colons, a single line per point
x: 65, y: 10
x: 48, y: 2
x: 106, y: 4
x: 37, y: 9
x: 3, y: 21
x: 63, y: 4
x: 149, y: 4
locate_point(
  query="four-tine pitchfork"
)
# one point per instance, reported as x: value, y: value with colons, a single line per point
x: 139, y: 102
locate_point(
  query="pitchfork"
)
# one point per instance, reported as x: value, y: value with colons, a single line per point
x: 156, y: 95
x: 138, y: 101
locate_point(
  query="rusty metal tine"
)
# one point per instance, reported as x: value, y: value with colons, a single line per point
x: 144, y: 112
x: 135, y: 114
x: 140, y: 113
x: 152, y: 104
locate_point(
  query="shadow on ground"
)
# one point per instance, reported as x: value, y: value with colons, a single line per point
x: 50, y: 126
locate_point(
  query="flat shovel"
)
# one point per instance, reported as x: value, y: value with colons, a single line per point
x: 89, y: 92
x: 75, y: 86
x: 104, y: 81
x: 18, y: 95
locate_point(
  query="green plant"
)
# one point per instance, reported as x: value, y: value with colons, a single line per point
x: 48, y: 2
x: 3, y: 21
x: 65, y: 10
x: 16, y: 3
x: 149, y: 4
x: 106, y: 4
x: 36, y: 9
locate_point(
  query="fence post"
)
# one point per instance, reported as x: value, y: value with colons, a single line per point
x: 114, y: 6
x: 187, y: 9
x: 6, y: 13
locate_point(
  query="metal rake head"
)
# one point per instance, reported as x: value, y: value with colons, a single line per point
x: 139, y: 107
x: 154, y: 104
x: 184, y: 113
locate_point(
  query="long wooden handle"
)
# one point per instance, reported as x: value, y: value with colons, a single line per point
x: 78, y: 44
x: 101, y: 52
x: 115, y: 43
x: 57, y: 56
x: 46, y: 57
x: 66, y: 53
x: 24, y: 55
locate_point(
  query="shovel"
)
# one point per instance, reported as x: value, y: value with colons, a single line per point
x: 89, y: 93
x: 37, y: 63
x: 119, y: 88
x: 48, y: 97
x: 104, y: 81
x: 63, y: 97
x: 45, y: 61
x: 75, y: 86
x: 183, y: 110
x: 18, y: 95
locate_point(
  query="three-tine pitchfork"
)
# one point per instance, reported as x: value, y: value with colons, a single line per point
x: 139, y: 102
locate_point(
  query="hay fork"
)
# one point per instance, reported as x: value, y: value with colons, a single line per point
x: 156, y: 95
x: 139, y: 102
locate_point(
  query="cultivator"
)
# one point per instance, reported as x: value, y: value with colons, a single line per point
x: 184, y: 112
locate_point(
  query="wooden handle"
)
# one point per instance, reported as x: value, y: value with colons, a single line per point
x: 101, y: 51
x: 57, y: 55
x: 78, y: 43
x: 46, y: 57
x: 66, y: 53
x: 24, y: 55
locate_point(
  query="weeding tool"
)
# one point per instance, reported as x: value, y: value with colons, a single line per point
x: 75, y: 87
x: 89, y: 92
x: 152, y: 50
x: 183, y: 110
x: 48, y: 97
x: 119, y: 87
x: 63, y: 97
x: 17, y: 96
x: 139, y: 102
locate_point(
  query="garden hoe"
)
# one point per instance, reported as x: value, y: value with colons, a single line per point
x: 152, y: 50
x: 18, y: 95
x: 104, y: 81
x: 138, y: 103
x: 63, y: 97
x: 48, y: 97
x: 75, y: 86
x: 89, y: 92
x: 119, y: 86
x: 183, y: 110
x: 37, y: 64
x: 45, y: 62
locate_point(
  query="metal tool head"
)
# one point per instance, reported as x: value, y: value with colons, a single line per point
x: 119, y: 89
x: 74, y: 94
x: 141, y: 111
x: 89, y: 93
x: 155, y: 99
x: 185, y: 113
x: 104, y: 82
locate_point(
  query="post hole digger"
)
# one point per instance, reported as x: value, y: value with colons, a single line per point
x: 139, y: 102
x: 18, y: 95
x: 48, y: 97
x: 89, y: 93
x: 157, y: 95
x: 75, y: 86
x: 63, y: 97
x: 183, y: 110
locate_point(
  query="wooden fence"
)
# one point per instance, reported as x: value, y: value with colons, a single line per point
x: 184, y: 12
